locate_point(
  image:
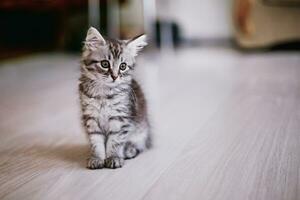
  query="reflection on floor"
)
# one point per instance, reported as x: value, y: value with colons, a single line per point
x: 226, y: 127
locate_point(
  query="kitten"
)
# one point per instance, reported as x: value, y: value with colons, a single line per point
x: 114, y: 111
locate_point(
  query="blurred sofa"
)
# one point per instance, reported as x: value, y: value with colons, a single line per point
x: 264, y: 23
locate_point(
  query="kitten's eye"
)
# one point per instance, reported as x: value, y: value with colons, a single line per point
x: 105, y: 64
x: 123, y: 66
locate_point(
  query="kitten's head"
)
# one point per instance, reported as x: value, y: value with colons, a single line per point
x: 110, y: 61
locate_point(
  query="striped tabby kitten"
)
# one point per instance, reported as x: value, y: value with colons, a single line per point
x: 113, y: 106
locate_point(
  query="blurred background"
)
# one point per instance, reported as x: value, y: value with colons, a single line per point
x: 222, y: 80
x: 49, y: 25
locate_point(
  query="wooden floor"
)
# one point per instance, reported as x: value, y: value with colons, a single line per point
x: 227, y: 127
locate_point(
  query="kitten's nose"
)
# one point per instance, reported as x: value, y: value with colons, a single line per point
x: 114, y: 77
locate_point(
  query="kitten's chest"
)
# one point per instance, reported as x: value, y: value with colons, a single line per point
x: 108, y: 108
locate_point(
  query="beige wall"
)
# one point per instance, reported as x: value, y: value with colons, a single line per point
x: 199, y: 18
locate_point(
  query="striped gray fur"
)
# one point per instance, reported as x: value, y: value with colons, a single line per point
x: 114, y: 111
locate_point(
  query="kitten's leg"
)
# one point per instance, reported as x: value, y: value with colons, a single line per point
x: 114, y: 151
x: 137, y: 142
x: 97, y: 143
x: 130, y: 150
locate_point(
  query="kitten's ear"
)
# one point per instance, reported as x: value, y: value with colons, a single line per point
x: 137, y: 44
x: 94, y: 37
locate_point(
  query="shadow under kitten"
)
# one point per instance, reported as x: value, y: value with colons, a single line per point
x: 74, y: 154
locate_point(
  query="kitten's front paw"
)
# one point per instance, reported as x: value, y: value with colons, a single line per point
x: 95, y: 163
x: 114, y: 162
